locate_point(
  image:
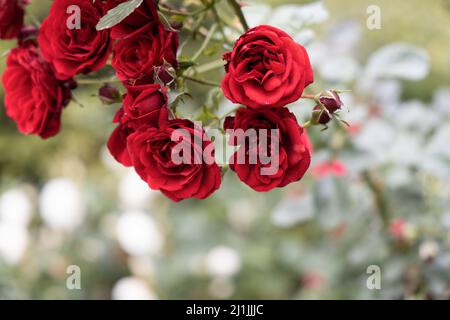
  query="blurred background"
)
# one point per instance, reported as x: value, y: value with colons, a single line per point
x: 378, y: 192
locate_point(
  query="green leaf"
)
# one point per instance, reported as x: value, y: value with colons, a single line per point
x: 117, y: 14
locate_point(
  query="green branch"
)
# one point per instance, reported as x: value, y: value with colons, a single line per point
x: 237, y: 8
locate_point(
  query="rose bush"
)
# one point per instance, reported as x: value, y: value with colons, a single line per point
x: 265, y: 71
x: 266, y: 68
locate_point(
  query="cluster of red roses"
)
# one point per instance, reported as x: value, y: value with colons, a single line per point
x: 266, y: 71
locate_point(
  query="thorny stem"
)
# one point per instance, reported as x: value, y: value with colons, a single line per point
x: 237, y: 8
x: 206, y: 42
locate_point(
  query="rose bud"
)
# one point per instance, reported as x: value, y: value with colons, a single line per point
x: 320, y: 116
x: 330, y: 100
x: 27, y: 34
x: 109, y: 94
x: 165, y: 74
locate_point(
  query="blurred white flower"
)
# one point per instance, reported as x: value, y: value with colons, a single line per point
x: 387, y: 93
x: 61, y: 204
x: 428, y: 250
x: 404, y: 149
x: 398, y: 176
x: 441, y: 100
x: 138, y: 234
x: 344, y: 37
x: 398, y: 61
x: 13, y: 242
x: 446, y: 220
x: 134, y: 193
x: 416, y: 116
x: 293, y: 210
x: 132, y: 288
x: 339, y: 68
x: 223, y: 261
x: 293, y: 17
x: 305, y: 37
x: 438, y: 144
x: 375, y: 137
x: 15, y: 207
x: 256, y: 14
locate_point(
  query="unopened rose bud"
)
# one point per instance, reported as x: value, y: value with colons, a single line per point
x: 27, y: 34
x: 320, y: 116
x: 165, y: 74
x: 109, y: 94
x: 330, y: 100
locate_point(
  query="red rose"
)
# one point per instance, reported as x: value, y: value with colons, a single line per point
x: 144, y: 15
x: 143, y: 105
x: 151, y: 150
x: 287, y: 147
x: 135, y: 58
x: 69, y: 49
x: 11, y: 17
x: 266, y: 69
x: 34, y: 98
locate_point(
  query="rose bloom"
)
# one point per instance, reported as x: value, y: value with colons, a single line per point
x: 144, y: 15
x: 151, y: 150
x: 293, y: 156
x: 11, y: 17
x: 135, y: 58
x: 266, y: 68
x: 142, y: 105
x: 34, y: 98
x: 74, y: 51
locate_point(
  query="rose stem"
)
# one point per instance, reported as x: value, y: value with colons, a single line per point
x: 381, y: 203
x: 216, y: 64
x: 201, y: 81
x: 237, y: 8
x: 206, y: 42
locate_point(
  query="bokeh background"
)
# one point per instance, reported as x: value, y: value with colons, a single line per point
x: 378, y: 192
